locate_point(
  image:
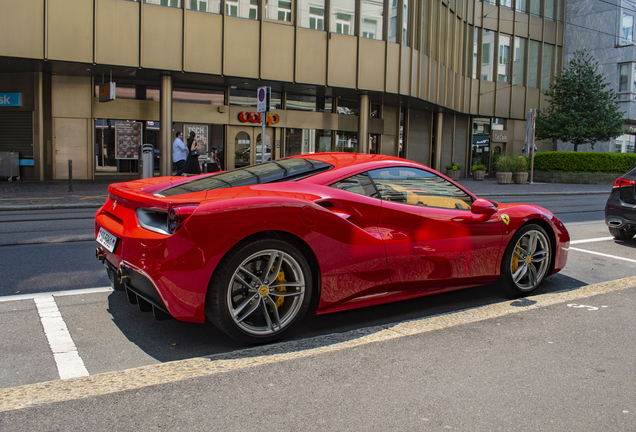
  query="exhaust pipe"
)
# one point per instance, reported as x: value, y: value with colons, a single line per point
x: 100, y: 255
x: 615, y: 223
x: 122, y: 274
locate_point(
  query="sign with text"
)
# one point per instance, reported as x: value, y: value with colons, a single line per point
x: 263, y: 98
x: 128, y: 136
x: 107, y: 92
x: 201, y: 136
x: 270, y: 119
x: 500, y: 136
x: 10, y: 99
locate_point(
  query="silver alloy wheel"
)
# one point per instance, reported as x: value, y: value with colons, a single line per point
x: 266, y: 292
x: 530, y: 259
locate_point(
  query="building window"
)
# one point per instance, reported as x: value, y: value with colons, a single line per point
x: 506, y: 3
x: 347, y: 107
x: 343, y: 17
x: 626, y: 81
x: 519, y: 61
x: 423, y: 29
x: 242, y: 8
x: 546, y: 72
x: 475, y: 51
x: 533, y: 64
x: 311, y: 14
x: 492, y: 2
x: 279, y: 10
x: 306, y: 141
x: 625, y: 144
x: 207, y: 97
x: 346, y: 142
x: 535, y: 7
x: 521, y: 6
x: 213, y: 6
x: 503, y: 68
x: 628, y: 15
x: 548, y: 9
x: 309, y: 103
x: 247, y: 98
x: 393, y: 15
x: 405, y: 23
x: 169, y: 3
x: 488, y: 40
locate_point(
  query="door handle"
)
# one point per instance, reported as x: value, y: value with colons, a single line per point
x: 398, y: 235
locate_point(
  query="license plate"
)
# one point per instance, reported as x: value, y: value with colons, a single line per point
x: 107, y: 240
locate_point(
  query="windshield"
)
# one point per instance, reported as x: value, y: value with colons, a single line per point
x: 279, y: 170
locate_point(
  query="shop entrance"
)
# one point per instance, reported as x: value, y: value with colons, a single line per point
x: 244, y: 146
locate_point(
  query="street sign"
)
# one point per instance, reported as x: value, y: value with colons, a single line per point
x: 10, y: 99
x: 263, y: 97
x: 107, y: 92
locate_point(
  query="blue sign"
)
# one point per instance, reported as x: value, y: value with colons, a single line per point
x: 10, y: 99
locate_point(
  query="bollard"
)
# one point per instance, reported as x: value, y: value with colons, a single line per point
x: 70, y: 175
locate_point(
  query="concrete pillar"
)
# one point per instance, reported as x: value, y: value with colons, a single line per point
x: 165, y: 119
x: 438, y: 140
x: 363, y: 123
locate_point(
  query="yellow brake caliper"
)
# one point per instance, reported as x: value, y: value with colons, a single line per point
x: 280, y: 279
x: 515, y: 260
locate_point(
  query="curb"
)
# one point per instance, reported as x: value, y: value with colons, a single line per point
x: 49, y: 207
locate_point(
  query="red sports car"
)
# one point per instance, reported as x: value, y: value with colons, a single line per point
x: 256, y: 248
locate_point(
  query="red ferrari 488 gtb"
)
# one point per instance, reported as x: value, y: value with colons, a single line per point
x: 256, y: 248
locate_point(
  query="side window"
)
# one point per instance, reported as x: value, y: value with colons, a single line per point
x: 419, y: 187
x: 359, y: 183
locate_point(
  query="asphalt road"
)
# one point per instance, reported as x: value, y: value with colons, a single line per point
x: 544, y: 363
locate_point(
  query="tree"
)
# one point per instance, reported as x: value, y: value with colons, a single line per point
x: 581, y: 110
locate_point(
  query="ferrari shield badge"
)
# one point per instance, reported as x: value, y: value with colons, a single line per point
x: 505, y: 218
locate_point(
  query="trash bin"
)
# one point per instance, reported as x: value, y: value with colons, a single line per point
x: 147, y: 161
x: 10, y: 165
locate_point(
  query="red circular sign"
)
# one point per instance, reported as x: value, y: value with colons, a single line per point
x: 261, y: 95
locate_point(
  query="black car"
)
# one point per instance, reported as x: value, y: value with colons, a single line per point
x: 620, y: 210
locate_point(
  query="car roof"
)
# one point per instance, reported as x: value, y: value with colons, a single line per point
x: 344, y: 159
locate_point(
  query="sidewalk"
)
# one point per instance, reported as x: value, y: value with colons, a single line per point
x: 46, y: 195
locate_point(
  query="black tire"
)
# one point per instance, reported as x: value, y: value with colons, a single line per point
x: 524, y: 265
x: 242, y: 300
x: 622, y: 233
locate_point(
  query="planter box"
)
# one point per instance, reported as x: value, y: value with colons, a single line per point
x: 580, y: 178
x: 453, y: 174
x: 504, y: 177
x: 520, y: 177
x: 478, y: 175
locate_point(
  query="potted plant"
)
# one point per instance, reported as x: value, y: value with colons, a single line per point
x: 452, y: 171
x: 478, y: 171
x: 504, y: 169
x: 520, y: 175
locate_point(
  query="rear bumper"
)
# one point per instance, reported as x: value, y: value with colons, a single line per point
x: 620, y: 216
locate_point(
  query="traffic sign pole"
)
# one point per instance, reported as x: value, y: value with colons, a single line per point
x: 262, y: 106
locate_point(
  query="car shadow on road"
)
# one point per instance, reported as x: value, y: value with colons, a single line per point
x: 172, y: 340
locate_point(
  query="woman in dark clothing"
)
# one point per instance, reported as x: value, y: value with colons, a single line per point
x: 192, y: 166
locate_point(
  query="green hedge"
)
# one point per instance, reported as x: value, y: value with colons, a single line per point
x: 584, y: 162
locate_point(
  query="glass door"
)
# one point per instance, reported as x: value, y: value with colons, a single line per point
x: 244, y: 146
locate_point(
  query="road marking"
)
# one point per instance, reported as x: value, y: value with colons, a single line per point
x: 54, y: 294
x: 147, y: 376
x: 580, y: 306
x: 591, y: 240
x: 603, y: 255
x: 67, y: 359
x: 28, y: 199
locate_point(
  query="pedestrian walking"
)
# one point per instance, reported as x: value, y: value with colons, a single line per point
x: 192, y: 166
x: 179, y: 153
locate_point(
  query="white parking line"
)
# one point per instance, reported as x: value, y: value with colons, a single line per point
x: 603, y: 255
x: 591, y: 240
x: 54, y: 294
x: 67, y: 359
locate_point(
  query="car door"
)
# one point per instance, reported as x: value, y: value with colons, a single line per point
x: 430, y: 234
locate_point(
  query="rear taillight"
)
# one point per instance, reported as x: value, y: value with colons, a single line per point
x: 177, y: 216
x: 621, y: 183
